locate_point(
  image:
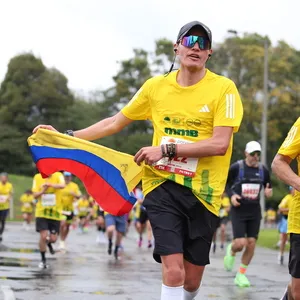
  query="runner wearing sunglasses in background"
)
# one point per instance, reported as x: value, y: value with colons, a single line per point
x: 194, y: 113
x: 245, y: 180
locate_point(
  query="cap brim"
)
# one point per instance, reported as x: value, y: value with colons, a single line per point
x: 191, y: 27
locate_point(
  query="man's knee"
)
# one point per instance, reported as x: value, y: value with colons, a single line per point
x: 174, y: 274
x: 239, y: 244
x: 173, y: 269
x: 193, y: 278
x: 53, y: 238
x: 43, y: 235
x: 110, y: 229
x: 251, y: 242
x: 295, y: 288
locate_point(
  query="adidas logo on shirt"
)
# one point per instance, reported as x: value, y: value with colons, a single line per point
x: 204, y: 109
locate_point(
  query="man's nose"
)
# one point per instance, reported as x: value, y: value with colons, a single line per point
x: 196, y: 46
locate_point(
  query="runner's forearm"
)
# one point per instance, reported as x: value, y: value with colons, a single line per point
x: 58, y: 186
x: 205, y: 148
x: 284, y: 172
x: 98, y: 130
x: 38, y: 194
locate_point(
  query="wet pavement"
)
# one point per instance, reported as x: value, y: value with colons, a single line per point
x: 87, y: 272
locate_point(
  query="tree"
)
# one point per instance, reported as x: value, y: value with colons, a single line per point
x: 30, y: 95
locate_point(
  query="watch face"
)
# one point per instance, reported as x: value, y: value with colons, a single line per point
x: 69, y: 132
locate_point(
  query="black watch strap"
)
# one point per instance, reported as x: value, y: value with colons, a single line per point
x: 69, y: 132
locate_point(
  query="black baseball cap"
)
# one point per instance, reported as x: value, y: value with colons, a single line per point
x: 187, y: 27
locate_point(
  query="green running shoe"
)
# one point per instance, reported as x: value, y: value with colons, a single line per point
x: 241, y: 280
x: 229, y: 260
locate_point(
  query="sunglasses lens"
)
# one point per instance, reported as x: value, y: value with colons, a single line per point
x: 191, y: 40
x: 255, y: 152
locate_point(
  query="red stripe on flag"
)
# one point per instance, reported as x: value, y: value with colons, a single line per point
x: 107, y: 197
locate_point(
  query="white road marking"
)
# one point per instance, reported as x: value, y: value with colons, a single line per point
x: 8, y: 293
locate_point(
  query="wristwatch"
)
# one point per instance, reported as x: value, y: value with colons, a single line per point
x: 69, y: 132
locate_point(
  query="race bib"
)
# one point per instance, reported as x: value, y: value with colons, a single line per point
x: 27, y: 205
x: 83, y: 209
x: 48, y: 200
x: 250, y: 190
x: 222, y: 213
x: 66, y: 213
x: 178, y: 165
x: 3, y: 198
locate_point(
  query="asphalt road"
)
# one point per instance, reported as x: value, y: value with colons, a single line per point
x: 87, y: 272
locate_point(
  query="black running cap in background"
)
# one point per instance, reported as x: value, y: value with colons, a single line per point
x: 187, y: 27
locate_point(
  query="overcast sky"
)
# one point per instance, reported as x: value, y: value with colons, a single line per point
x: 84, y: 39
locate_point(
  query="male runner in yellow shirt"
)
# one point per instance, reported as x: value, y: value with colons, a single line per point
x: 290, y: 150
x: 6, y: 192
x: 194, y: 113
x: 27, y: 201
x: 48, y: 210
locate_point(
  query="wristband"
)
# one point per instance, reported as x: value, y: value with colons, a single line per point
x: 164, y: 154
x: 171, y: 150
x: 69, y: 132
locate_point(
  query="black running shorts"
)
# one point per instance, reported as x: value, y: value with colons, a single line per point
x: 245, y: 226
x: 143, y: 216
x: 180, y: 223
x: 47, y: 224
x: 294, y: 260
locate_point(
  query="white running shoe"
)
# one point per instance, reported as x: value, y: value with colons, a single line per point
x: 43, y: 265
x: 62, y: 245
x: 280, y: 259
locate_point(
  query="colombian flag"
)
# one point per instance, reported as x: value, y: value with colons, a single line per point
x: 108, y: 175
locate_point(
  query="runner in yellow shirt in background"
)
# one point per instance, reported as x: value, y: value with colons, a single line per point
x: 84, y: 209
x: 283, y: 210
x: 224, y: 219
x: 48, y: 211
x: 69, y: 194
x: 6, y: 192
x: 27, y: 201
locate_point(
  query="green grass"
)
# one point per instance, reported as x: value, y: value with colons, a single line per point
x: 268, y: 238
x: 20, y: 184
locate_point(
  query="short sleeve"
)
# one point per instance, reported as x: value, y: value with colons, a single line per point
x: 77, y: 190
x: 35, y: 187
x: 229, y: 110
x: 291, y: 145
x: 60, y: 179
x: 138, y: 108
x: 284, y: 202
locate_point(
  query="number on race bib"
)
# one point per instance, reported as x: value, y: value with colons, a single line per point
x: 48, y: 200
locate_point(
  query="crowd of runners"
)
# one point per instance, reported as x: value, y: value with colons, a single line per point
x: 189, y: 187
x: 58, y: 206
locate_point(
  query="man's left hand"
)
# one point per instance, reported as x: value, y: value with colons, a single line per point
x: 149, y: 155
x: 268, y: 191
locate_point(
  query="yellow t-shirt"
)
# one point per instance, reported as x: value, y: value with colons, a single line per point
x: 285, y: 203
x: 187, y: 115
x: 27, y: 203
x: 95, y: 210
x: 225, y: 203
x: 271, y: 215
x: 83, y: 207
x: 67, y: 198
x: 49, y: 205
x: 6, y: 191
x: 137, y: 210
x: 291, y: 148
